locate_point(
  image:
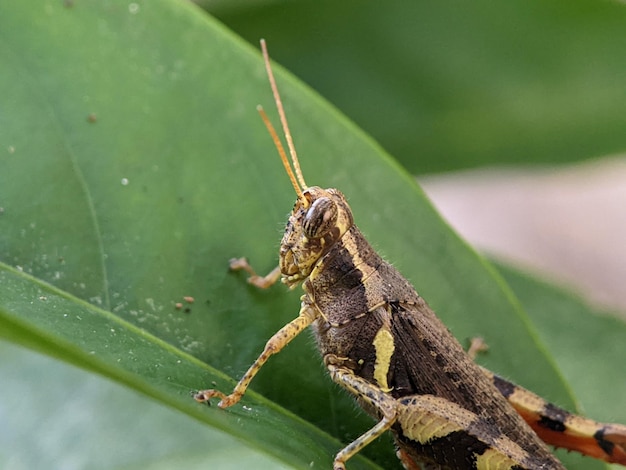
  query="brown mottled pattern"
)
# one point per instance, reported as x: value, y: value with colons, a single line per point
x: 356, y: 293
x: 383, y: 344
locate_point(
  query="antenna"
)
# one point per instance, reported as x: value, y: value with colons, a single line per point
x: 281, y: 149
x: 298, y: 180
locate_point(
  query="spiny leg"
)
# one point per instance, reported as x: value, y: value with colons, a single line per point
x: 556, y: 426
x: 368, y: 393
x: 277, y: 342
x: 476, y: 347
x: 560, y: 428
x: 262, y: 282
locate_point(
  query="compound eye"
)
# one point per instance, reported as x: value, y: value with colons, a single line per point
x: 320, y: 218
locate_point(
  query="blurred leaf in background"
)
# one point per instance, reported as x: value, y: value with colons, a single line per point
x: 449, y: 85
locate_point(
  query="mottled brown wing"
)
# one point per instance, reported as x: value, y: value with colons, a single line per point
x: 429, y: 360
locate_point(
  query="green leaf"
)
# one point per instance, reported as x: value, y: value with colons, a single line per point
x: 448, y: 85
x: 51, y: 321
x: 134, y: 165
x: 61, y: 423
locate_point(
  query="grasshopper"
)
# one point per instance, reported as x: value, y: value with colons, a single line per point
x: 382, y: 343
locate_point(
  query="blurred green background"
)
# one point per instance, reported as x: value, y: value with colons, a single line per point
x: 449, y: 85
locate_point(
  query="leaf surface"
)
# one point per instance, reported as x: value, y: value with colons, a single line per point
x: 134, y: 166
